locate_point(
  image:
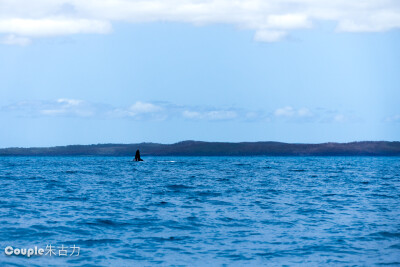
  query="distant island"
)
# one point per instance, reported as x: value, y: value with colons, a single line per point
x: 198, y: 148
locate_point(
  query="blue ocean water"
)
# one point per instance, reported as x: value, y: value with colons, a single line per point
x: 198, y: 211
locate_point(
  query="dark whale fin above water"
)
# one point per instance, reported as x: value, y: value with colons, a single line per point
x: 137, y: 156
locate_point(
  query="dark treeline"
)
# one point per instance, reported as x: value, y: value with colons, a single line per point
x: 197, y: 148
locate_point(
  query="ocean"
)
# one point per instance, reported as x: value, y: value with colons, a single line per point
x: 200, y: 211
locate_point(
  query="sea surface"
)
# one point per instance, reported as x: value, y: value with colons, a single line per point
x: 201, y: 211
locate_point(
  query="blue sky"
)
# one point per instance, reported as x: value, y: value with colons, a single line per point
x: 126, y: 71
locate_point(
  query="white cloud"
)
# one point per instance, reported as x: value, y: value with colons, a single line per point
x: 288, y: 21
x: 158, y: 111
x: 139, y: 110
x: 394, y: 118
x: 339, y: 118
x: 52, y: 26
x: 11, y: 39
x: 61, y: 107
x: 67, y: 107
x: 381, y: 20
x: 210, y: 115
x: 304, y: 112
x: 221, y: 115
x: 320, y: 115
x: 284, y: 112
x: 69, y: 102
x: 271, y: 20
x: 269, y: 36
x: 191, y: 114
x: 290, y: 112
x: 142, y: 107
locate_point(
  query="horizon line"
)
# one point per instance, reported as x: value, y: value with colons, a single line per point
x: 199, y: 141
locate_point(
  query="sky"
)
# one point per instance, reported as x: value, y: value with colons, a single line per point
x: 119, y: 71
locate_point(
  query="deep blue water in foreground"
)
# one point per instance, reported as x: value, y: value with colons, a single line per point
x: 202, y: 211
